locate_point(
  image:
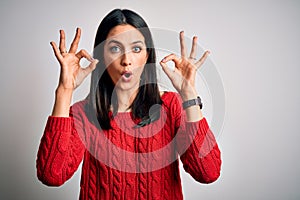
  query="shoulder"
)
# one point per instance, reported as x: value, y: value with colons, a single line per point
x: 80, y: 104
x: 172, y: 101
x: 78, y: 107
x: 170, y: 97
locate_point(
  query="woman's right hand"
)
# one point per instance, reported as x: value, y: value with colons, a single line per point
x: 72, y: 74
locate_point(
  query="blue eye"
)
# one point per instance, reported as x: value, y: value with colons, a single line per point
x: 137, y: 49
x: 114, y: 49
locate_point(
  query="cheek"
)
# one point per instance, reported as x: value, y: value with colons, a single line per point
x: 139, y: 65
x: 108, y: 59
x: 139, y: 70
x: 141, y: 59
x: 113, y: 72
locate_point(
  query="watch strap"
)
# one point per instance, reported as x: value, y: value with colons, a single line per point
x: 192, y: 102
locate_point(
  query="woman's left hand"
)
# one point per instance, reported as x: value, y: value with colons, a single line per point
x: 184, y: 74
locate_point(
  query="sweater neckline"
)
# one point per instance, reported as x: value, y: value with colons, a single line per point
x: 129, y: 113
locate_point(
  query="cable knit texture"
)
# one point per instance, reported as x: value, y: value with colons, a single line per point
x: 126, y: 162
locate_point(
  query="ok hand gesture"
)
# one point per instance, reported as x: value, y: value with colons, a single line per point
x: 183, y: 77
x: 72, y: 74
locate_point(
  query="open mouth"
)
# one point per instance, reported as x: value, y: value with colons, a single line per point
x: 126, y: 76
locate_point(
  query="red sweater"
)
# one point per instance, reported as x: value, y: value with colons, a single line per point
x: 126, y: 162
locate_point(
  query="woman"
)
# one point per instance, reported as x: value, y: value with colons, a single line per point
x: 127, y: 132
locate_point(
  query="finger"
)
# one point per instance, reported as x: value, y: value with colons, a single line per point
x: 182, y: 44
x: 62, y: 42
x: 56, y: 51
x: 84, y: 54
x: 202, y: 59
x: 171, y: 57
x: 194, y: 48
x: 75, y: 42
x: 166, y: 69
x: 91, y: 67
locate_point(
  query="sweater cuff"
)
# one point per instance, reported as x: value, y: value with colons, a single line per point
x: 197, y: 126
x: 58, y: 124
x: 203, y: 131
x: 199, y: 130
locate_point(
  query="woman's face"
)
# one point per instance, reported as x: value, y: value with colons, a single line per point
x: 125, y: 56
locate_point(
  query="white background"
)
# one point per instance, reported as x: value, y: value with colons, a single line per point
x: 254, y: 45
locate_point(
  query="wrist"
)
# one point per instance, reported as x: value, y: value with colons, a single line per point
x: 60, y: 90
x: 187, y: 95
x: 63, y: 95
x: 192, y: 102
x: 63, y: 98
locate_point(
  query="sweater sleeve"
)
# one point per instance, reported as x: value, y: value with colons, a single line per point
x: 60, y: 152
x: 197, y: 147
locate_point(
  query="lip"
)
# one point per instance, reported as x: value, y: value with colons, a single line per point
x: 126, y: 76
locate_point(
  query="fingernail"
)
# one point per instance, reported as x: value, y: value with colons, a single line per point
x: 91, y: 58
x: 163, y: 60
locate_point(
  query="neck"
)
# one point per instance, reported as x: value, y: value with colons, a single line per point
x: 125, y: 99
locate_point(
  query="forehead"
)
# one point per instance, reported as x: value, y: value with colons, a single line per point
x: 125, y: 34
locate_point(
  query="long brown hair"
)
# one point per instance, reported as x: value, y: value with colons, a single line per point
x: 101, y: 96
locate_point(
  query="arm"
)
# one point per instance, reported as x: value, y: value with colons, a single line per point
x: 196, y: 145
x: 61, y: 149
x: 194, y: 140
x: 60, y: 152
x: 202, y: 158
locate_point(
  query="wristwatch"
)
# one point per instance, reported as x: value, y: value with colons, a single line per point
x: 192, y: 102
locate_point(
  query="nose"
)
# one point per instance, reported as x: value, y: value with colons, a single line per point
x: 126, y: 59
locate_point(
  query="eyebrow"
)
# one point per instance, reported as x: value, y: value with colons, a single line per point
x: 135, y: 42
